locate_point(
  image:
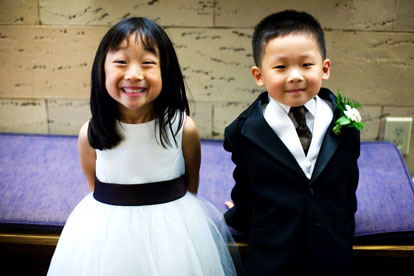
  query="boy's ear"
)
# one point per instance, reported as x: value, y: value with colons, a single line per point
x: 257, y: 75
x: 326, y: 68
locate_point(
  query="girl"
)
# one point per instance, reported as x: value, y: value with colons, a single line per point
x: 140, y: 153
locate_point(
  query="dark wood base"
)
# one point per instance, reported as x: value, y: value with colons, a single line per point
x: 30, y: 254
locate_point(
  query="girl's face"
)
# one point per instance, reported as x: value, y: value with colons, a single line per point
x: 133, y: 79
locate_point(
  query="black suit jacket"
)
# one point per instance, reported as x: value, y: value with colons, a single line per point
x: 296, y: 226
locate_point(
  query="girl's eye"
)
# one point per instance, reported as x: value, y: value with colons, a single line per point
x: 120, y: 61
x: 149, y: 62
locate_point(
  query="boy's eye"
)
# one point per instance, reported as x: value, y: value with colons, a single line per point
x: 280, y: 67
x: 307, y: 64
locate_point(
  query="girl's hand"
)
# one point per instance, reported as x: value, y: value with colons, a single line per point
x: 229, y: 204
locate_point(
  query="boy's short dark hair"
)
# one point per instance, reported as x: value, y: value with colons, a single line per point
x: 285, y: 23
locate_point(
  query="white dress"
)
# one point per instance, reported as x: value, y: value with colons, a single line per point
x: 186, y: 236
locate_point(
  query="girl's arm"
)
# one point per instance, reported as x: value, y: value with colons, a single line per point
x: 192, y: 154
x: 87, y: 156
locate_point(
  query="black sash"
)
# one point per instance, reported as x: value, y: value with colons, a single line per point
x: 139, y: 194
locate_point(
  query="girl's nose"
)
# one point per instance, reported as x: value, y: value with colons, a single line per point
x: 134, y: 73
x: 295, y: 76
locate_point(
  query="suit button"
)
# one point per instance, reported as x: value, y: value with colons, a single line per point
x: 311, y: 191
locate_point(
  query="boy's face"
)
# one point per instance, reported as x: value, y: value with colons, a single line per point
x: 292, y: 69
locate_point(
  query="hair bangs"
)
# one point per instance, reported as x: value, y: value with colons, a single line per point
x: 285, y: 23
x: 141, y: 36
x: 148, y: 41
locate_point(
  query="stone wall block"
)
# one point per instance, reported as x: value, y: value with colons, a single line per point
x: 372, y: 68
x: 216, y: 63
x: 67, y: 116
x: 47, y: 62
x: 404, y: 15
x: 202, y: 114
x: 224, y: 114
x: 371, y: 116
x: 19, y: 12
x: 23, y: 116
x: 347, y: 14
x: 90, y: 12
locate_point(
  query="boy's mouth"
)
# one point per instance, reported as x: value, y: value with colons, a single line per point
x: 295, y: 91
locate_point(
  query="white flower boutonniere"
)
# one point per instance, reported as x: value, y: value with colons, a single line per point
x: 349, y: 115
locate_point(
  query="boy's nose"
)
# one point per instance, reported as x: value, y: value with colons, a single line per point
x: 295, y: 76
x: 134, y: 73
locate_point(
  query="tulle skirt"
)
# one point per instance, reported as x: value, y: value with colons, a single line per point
x: 187, y: 236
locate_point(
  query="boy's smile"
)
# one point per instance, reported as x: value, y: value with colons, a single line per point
x: 292, y: 69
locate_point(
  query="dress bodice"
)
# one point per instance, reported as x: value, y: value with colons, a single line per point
x: 140, y: 157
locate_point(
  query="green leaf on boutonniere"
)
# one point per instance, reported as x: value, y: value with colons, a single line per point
x: 343, y: 121
x: 349, y: 115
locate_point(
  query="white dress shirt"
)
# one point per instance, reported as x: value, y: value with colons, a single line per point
x: 318, y: 119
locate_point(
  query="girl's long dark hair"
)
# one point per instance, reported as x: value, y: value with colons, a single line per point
x: 102, y: 132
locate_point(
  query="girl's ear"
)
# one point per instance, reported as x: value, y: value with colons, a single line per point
x: 257, y: 75
x: 326, y: 69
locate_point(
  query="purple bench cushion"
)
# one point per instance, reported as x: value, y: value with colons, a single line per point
x: 41, y: 181
x: 385, y: 192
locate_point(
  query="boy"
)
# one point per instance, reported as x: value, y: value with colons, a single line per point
x: 295, y: 179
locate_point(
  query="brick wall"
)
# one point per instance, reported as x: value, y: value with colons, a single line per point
x: 47, y: 48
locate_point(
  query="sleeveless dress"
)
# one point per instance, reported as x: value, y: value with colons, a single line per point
x: 186, y: 236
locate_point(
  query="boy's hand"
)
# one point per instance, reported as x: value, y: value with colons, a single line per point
x: 229, y: 204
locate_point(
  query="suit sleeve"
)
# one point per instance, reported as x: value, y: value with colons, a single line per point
x: 238, y: 217
x: 353, y: 186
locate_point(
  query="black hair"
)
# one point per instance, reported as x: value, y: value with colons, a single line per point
x: 284, y: 23
x: 102, y: 133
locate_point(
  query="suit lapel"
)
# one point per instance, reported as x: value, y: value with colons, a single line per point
x: 259, y: 132
x: 331, y: 141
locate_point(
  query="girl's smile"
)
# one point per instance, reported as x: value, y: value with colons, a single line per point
x: 133, y: 91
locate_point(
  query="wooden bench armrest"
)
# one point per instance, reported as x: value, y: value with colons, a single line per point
x: 29, y: 239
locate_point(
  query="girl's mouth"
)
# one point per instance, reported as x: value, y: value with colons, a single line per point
x: 133, y: 91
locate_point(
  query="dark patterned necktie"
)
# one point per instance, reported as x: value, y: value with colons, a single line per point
x: 305, y: 135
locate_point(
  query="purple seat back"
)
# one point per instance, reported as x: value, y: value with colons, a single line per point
x: 385, y: 191
x: 41, y: 181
